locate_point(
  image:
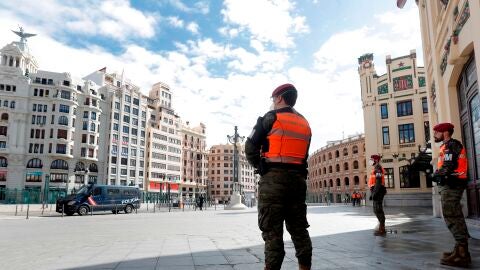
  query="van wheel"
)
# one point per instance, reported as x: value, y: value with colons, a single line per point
x: 128, y: 209
x: 82, y: 210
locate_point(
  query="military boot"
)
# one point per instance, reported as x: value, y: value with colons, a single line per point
x: 449, y: 253
x: 459, y: 258
x: 380, y: 231
x: 304, y: 267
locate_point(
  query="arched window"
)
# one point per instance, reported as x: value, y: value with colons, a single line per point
x: 345, y: 151
x: 330, y: 155
x: 93, y: 167
x: 325, y: 183
x: 12, y: 105
x: 320, y: 183
x: 79, y: 167
x: 347, y: 181
x: 337, y: 154
x: 63, y: 120
x: 345, y: 166
x: 330, y: 169
x: 355, y: 165
x: 35, y: 163
x: 3, y: 162
x: 331, y: 183
x: 337, y: 168
x: 5, y: 116
x: 324, y: 170
x: 355, y: 149
x: 323, y: 159
x: 338, y: 182
x: 356, y: 180
x: 59, y: 165
x: 92, y: 127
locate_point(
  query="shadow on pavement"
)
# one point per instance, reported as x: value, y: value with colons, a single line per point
x: 416, y: 245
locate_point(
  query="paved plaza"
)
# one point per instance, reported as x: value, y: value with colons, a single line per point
x: 219, y: 239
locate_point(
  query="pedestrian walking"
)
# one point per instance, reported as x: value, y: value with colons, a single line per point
x: 451, y: 177
x: 354, y: 198
x: 278, y: 149
x: 200, y: 202
x: 376, y: 183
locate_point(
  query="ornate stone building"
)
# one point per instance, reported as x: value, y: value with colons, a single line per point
x: 451, y: 46
x: 336, y: 170
x: 220, y: 174
x: 396, y: 124
x: 49, y: 125
x: 194, y: 161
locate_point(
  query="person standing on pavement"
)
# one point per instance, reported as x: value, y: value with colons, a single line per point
x: 278, y: 149
x: 200, y: 202
x: 354, y: 198
x: 376, y: 184
x: 451, y: 177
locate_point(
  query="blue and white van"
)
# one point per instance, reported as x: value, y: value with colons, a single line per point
x: 100, y: 198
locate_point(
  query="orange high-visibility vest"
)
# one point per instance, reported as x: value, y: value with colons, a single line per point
x: 373, y: 178
x: 461, y: 170
x: 288, y: 139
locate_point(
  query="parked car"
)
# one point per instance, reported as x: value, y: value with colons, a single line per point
x: 94, y: 197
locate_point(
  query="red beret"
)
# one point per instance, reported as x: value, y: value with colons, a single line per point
x: 442, y: 127
x: 375, y: 157
x: 282, y: 89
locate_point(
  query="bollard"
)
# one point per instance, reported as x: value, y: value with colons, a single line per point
x: 169, y: 205
x: 147, y: 206
x: 63, y: 209
x: 116, y: 208
x: 215, y: 206
x: 28, y: 209
x: 154, y: 206
x: 16, y: 209
x: 91, y: 210
x: 43, y: 207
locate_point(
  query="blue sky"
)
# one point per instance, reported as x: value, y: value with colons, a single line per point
x: 222, y: 59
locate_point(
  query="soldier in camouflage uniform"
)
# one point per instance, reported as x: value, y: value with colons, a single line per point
x: 278, y: 149
x: 451, y: 177
x: 376, y: 183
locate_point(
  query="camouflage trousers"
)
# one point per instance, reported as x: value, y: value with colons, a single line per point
x: 282, y: 195
x: 378, y: 210
x: 452, y: 212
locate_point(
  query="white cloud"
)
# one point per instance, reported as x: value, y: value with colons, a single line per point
x: 175, y: 21
x: 329, y: 93
x: 193, y: 27
x: 112, y: 18
x: 199, y: 7
x: 270, y: 21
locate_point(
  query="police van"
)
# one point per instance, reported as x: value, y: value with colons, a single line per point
x: 100, y: 198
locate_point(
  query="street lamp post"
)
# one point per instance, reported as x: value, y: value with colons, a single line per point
x: 236, y: 198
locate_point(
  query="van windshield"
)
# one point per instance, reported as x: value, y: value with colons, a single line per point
x: 84, y: 190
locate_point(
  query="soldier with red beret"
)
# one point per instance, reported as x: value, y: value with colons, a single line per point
x: 376, y: 183
x: 451, y: 178
x: 278, y: 149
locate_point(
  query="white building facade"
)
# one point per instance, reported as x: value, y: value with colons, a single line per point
x: 164, y: 151
x: 43, y: 140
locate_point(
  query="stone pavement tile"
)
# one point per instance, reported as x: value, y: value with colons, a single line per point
x: 215, y: 260
x: 237, y: 259
x: 249, y: 266
x: 184, y: 260
x: 207, y: 253
x: 173, y: 267
x: 149, y: 263
x: 214, y: 267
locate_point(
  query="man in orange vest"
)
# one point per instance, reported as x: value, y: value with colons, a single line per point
x: 278, y: 149
x: 376, y: 183
x: 451, y: 177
